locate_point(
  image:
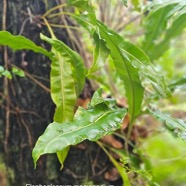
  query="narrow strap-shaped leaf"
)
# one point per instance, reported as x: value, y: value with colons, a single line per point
x: 63, y: 91
x: 72, y: 57
x: 20, y: 43
x: 129, y: 60
x: 127, y: 72
x: 91, y: 124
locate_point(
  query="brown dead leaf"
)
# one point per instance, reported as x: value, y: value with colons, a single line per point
x: 125, y: 122
x: 112, y: 174
x: 122, y: 102
x: 83, y: 102
x: 110, y: 140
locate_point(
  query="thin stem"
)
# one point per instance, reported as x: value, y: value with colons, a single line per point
x: 53, y: 9
x: 64, y: 26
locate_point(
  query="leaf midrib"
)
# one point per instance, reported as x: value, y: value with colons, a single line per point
x: 75, y: 131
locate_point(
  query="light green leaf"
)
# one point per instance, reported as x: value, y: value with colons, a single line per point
x: 20, y: 43
x: 18, y: 72
x: 91, y: 124
x: 67, y: 79
x: 7, y: 74
x: 72, y: 57
x: 174, y: 125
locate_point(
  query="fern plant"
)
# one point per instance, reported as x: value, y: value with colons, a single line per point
x: 132, y: 64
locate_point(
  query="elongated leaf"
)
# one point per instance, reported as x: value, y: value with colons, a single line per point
x: 90, y: 124
x: 20, y: 43
x: 176, y: 126
x: 72, y: 57
x: 129, y: 60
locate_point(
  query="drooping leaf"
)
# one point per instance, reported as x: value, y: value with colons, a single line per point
x: 174, y: 125
x: 20, y: 43
x: 91, y: 124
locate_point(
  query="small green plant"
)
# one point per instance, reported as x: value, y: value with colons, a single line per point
x: 133, y: 66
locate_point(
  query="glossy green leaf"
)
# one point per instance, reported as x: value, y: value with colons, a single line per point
x: 92, y: 124
x: 129, y: 60
x: 174, y: 125
x: 72, y: 57
x: 126, y: 71
x: 20, y: 43
x: 67, y: 79
x: 101, y: 53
